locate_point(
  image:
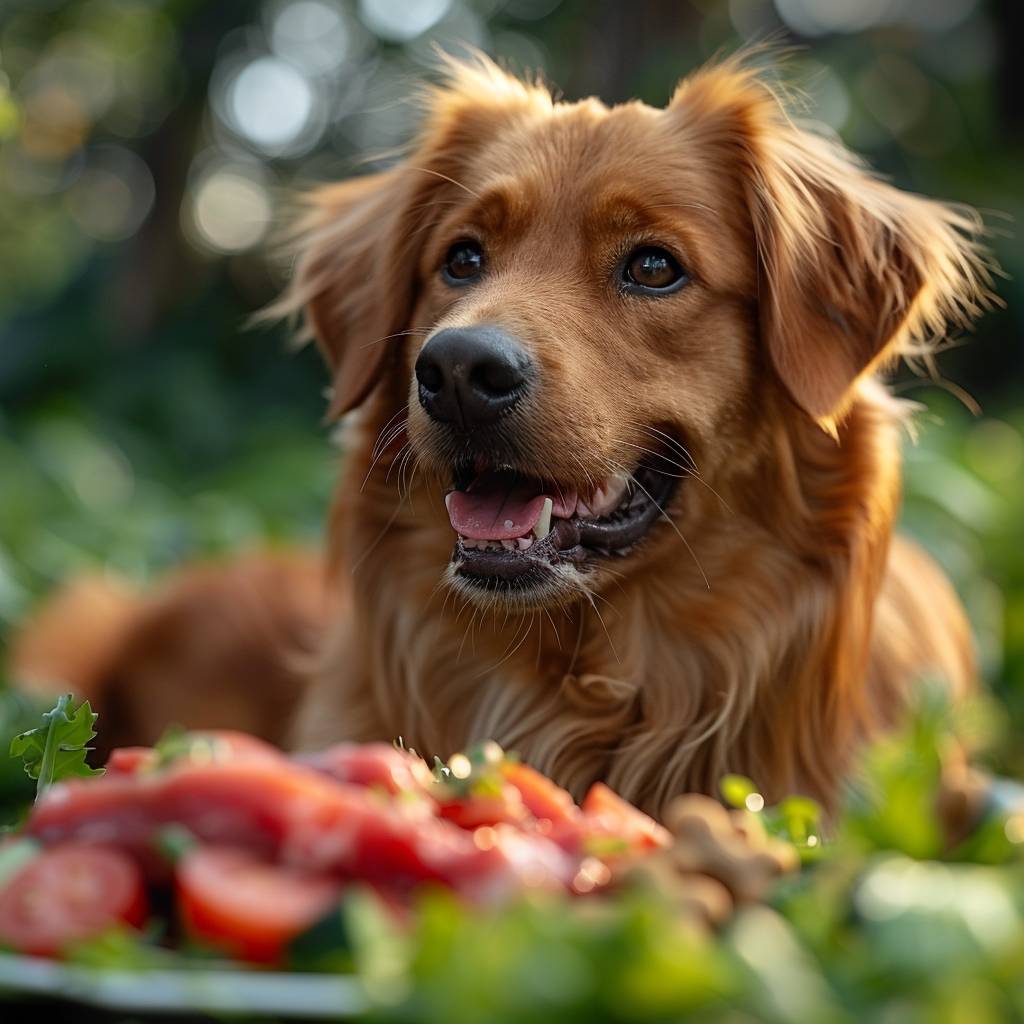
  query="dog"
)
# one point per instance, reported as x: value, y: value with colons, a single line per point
x: 621, y: 473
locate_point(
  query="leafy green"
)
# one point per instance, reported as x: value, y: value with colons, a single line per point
x: 123, y: 949
x: 178, y: 744
x: 58, y: 749
x: 737, y: 790
x: 327, y: 945
x: 477, y: 772
x: 173, y: 842
x: 797, y: 819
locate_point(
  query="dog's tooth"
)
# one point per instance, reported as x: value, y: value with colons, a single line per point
x: 543, y: 527
x: 524, y: 543
x: 583, y: 510
x: 508, y: 545
x: 609, y: 496
x: 448, y: 500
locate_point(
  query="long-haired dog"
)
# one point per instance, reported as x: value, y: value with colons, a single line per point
x: 621, y: 481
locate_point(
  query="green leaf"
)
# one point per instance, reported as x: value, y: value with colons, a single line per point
x: 325, y: 946
x: 123, y: 949
x: 735, y: 790
x: 605, y: 846
x: 58, y: 749
x: 173, y: 842
x: 801, y: 816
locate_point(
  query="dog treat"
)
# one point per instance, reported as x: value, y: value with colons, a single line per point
x: 728, y: 845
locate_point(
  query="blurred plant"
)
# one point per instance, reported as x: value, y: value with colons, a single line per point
x: 18, y: 712
x: 964, y: 501
x: 83, y: 501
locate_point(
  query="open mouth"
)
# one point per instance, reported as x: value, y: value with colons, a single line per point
x: 512, y: 528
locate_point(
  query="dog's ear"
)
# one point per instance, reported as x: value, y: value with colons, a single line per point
x: 852, y: 272
x: 354, y: 279
x: 359, y: 244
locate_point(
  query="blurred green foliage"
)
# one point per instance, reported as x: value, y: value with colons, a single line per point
x: 964, y: 500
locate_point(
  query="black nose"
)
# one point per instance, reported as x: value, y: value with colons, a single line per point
x: 469, y: 376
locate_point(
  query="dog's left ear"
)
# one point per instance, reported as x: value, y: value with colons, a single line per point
x: 852, y: 272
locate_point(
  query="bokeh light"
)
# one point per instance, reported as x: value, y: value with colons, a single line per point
x: 400, y: 21
x: 112, y: 195
x: 230, y: 209
x: 272, y: 105
x: 314, y: 35
x: 821, y: 17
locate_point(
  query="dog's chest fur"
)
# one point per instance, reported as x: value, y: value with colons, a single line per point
x: 678, y: 674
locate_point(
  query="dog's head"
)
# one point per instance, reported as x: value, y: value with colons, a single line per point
x: 591, y: 309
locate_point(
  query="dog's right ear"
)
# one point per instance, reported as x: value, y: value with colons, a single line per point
x: 354, y: 280
x: 360, y: 241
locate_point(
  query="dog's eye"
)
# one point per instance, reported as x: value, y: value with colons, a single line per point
x: 465, y: 261
x: 653, y: 270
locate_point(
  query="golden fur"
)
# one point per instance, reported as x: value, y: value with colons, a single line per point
x: 225, y: 644
x: 770, y: 626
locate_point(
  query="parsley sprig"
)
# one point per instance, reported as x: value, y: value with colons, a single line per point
x: 58, y: 749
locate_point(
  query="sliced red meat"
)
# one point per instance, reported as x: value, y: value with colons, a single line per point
x: 544, y: 799
x: 504, y: 808
x: 372, y: 764
x: 609, y: 816
x: 292, y: 815
x: 203, y: 746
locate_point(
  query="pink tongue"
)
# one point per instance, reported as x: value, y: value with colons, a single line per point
x: 499, y: 506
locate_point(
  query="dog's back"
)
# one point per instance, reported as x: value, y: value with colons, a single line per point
x: 233, y: 644
x: 221, y: 644
x: 920, y: 630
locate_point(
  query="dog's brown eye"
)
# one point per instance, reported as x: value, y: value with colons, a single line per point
x: 465, y: 261
x: 653, y: 270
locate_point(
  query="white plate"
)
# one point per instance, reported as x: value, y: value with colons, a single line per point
x: 255, y: 993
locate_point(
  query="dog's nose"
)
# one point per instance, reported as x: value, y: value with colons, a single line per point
x: 469, y: 376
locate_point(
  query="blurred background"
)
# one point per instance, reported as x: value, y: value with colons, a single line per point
x: 145, y: 148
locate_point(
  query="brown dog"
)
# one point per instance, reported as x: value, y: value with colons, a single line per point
x: 621, y: 482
